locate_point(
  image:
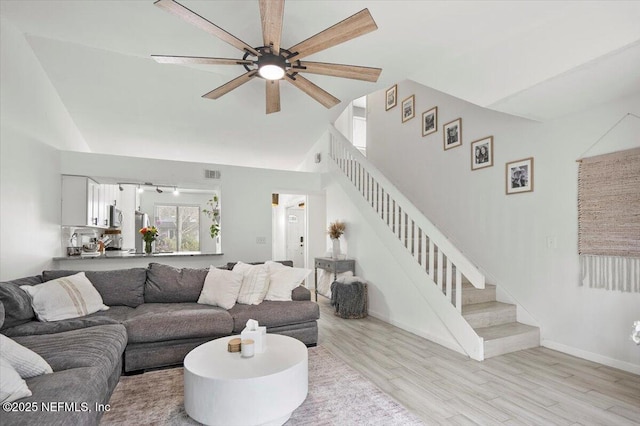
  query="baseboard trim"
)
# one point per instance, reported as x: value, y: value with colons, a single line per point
x: 435, y: 339
x: 590, y: 356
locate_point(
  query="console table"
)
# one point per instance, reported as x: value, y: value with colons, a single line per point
x: 332, y: 265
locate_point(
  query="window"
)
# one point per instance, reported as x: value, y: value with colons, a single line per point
x: 178, y: 228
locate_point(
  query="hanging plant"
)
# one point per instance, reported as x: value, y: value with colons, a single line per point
x: 214, y: 215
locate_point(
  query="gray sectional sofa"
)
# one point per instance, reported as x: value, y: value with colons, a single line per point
x: 153, y: 321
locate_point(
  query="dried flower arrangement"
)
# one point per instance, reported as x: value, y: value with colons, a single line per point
x: 336, y: 229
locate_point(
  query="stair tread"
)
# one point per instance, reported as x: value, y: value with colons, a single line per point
x: 476, y: 308
x: 504, y: 330
x: 469, y: 286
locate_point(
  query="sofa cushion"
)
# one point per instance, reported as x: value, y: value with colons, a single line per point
x: 17, y: 303
x: 274, y: 314
x: 154, y: 322
x: 166, y: 284
x: 64, y: 298
x: 100, y: 346
x: 120, y: 287
x: 115, y: 315
x: 75, y: 386
x: 32, y: 328
x: 300, y: 293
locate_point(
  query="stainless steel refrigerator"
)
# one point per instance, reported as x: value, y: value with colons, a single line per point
x: 142, y: 221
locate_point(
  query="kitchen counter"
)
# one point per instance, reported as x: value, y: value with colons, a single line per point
x: 107, y: 256
x: 192, y: 259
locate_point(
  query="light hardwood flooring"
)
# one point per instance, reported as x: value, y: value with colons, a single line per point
x: 534, y: 387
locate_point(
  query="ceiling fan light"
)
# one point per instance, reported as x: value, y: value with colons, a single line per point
x: 271, y: 67
x: 271, y: 72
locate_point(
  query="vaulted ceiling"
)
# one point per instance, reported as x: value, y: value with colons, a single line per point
x: 539, y: 60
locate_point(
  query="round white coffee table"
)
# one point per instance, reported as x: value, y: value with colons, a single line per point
x: 222, y: 388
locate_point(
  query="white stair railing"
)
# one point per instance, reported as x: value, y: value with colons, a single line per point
x: 443, y: 263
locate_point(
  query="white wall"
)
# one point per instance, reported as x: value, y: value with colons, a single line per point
x: 32, y: 121
x: 245, y: 193
x: 507, y: 235
x: 30, y: 200
x: 29, y: 102
x: 392, y: 296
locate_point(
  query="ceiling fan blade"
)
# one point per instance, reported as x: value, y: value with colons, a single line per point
x: 320, y: 95
x: 193, y: 18
x: 352, y: 27
x: 233, y: 84
x: 199, y: 60
x: 273, y: 96
x: 271, y: 14
x: 339, y: 70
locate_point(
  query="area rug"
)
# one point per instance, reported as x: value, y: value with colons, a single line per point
x: 338, y: 395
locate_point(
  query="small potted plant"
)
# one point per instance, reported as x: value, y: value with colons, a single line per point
x: 214, y: 215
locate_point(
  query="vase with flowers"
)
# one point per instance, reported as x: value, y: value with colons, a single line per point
x: 149, y: 235
x: 335, y: 231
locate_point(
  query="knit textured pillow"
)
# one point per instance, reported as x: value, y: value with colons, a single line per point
x: 25, y: 361
x: 255, y: 283
x: 12, y: 386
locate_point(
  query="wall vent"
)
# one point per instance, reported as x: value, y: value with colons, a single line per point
x: 212, y: 174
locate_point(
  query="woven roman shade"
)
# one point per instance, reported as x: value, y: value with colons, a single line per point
x: 609, y: 220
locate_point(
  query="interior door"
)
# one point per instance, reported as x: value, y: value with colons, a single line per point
x: 296, y: 238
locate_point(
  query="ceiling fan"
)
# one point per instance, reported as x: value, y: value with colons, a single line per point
x: 273, y: 63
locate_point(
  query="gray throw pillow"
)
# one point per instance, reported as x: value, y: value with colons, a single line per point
x: 16, y: 302
x: 166, y: 284
x: 120, y: 287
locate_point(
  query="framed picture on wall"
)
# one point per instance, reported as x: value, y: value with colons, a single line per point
x: 430, y: 121
x: 519, y: 176
x: 482, y: 153
x: 408, y: 108
x: 452, y: 134
x: 391, y: 97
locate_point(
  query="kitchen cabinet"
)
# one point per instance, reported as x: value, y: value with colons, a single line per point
x: 85, y: 202
x: 80, y: 199
x: 109, y: 196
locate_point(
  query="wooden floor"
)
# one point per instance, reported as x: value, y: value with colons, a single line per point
x: 534, y: 387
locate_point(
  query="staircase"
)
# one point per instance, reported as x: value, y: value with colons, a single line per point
x: 496, y: 322
x: 450, y: 283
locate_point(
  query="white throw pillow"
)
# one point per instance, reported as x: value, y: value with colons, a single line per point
x: 68, y: 297
x: 221, y: 288
x: 12, y: 387
x: 283, y: 279
x: 255, y: 283
x: 25, y: 361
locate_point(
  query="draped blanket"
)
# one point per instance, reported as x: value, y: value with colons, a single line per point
x: 349, y: 299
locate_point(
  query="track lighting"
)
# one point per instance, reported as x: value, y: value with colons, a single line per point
x: 175, y: 191
x: 120, y: 187
x: 158, y: 190
x: 140, y: 189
